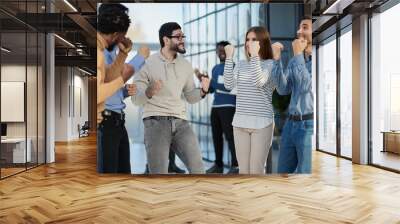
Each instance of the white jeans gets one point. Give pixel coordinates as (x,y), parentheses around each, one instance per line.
(252,148)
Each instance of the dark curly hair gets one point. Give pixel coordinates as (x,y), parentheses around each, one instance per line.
(112,18)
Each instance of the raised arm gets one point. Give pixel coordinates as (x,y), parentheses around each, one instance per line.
(297,69)
(261,75)
(115,69)
(105,90)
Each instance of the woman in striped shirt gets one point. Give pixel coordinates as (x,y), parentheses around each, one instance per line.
(254,117)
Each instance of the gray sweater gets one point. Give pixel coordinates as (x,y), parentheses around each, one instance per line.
(178,87)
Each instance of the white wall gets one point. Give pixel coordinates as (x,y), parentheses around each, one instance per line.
(71,94)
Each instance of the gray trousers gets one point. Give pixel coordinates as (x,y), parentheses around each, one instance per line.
(159,134)
(252,148)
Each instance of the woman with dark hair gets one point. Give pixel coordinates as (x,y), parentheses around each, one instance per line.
(253,122)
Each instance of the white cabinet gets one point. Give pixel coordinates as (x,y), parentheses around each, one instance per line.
(19,155)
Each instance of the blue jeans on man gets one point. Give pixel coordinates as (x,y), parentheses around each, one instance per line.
(295,148)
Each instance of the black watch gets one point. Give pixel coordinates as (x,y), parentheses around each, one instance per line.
(202,90)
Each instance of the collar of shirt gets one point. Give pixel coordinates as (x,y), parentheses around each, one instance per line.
(165,60)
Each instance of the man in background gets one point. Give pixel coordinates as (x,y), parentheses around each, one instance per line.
(222,112)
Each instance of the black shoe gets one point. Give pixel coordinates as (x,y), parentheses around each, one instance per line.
(233,170)
(147,169)
(173,168)
(215,169)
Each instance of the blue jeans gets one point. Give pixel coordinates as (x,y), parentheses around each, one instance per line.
(295,148)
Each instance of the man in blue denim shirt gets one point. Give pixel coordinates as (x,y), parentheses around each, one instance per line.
(114,138)
(296,139)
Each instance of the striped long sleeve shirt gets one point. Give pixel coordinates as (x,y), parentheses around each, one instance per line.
(254,91)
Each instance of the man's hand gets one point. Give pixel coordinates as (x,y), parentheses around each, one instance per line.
(125,45)
(299,45)
(199,75)
(154,88)
(144,51)
(277,50)
(229,51)
(131,88)
(205,84)
(254,48)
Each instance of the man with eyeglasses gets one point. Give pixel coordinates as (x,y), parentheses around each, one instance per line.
(165,82)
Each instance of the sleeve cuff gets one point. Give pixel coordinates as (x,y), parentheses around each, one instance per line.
(254,58)
(298,60)
(229,60)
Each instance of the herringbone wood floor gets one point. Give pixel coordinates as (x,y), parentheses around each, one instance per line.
(70,191)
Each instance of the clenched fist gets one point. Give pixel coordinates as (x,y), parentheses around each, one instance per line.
(299,45)
(131,88)
(154,88)
(125,45)
(276,50)
(205,83)
(144,51)
(229,51)
(254,48)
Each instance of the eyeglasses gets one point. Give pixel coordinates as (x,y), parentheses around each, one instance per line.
(179,37)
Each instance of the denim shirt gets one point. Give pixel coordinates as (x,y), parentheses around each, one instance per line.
(297,80)
(116,102)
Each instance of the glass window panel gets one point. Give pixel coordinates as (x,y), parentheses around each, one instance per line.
(237,50)
(186,12)
(194,11)
(195,36)
(188,40)
(385,89)
(202,9)
(327,97)
(210,7)
(221,5)
(232,25)
(221,26)
(14,154)
(203,63)
(346,94)
(241,52)
(212,61)
(211,32)
(283,27)
(32,104)
(257,14)
(41,99)
(202,36)
(244,21)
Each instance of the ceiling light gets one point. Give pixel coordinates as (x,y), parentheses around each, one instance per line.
(5,50)
(338,6)
(65,41)
(84,71)
(70,5)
